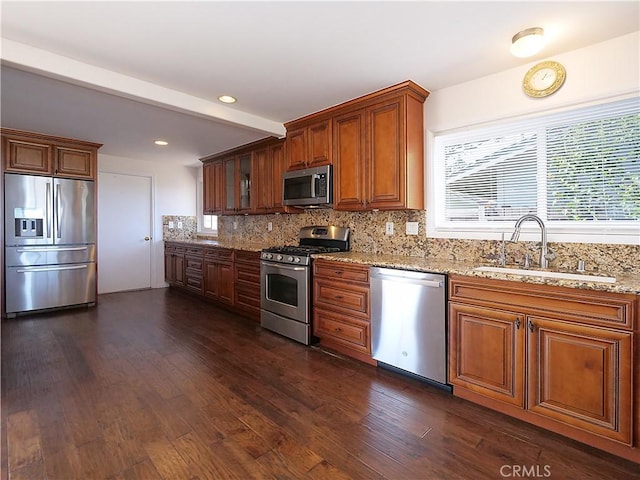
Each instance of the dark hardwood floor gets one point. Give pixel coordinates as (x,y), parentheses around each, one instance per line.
(159,385)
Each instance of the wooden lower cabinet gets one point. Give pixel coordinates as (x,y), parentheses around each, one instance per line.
(174,271)
(218,275)
(246,281)
(341,308)
(488,357)
(557,357)
(229,277)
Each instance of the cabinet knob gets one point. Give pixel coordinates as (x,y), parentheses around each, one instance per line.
(530,326)
(517,323)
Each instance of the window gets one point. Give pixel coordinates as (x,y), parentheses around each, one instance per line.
(207,224)
(577,170)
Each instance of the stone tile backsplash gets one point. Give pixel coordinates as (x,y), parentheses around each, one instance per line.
(368,236)
(187,232)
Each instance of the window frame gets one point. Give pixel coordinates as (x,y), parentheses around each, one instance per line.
(613,232)
(200,214)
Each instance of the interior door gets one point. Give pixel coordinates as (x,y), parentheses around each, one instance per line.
(124,232)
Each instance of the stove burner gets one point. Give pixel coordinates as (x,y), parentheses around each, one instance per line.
(304,251)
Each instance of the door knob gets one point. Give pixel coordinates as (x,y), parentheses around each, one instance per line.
(146,239)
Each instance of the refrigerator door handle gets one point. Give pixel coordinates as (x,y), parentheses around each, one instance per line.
(50,269)
(51,249)
(47,210)
(58,232)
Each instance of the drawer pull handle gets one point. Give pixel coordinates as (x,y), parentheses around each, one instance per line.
(517,324)
(338,272)
(339,297)
(337,329)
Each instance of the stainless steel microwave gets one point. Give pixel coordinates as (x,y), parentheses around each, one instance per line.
(311,187)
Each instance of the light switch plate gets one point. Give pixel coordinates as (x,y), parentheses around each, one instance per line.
(235,225)
(270,226)
(389,228)
(180,225)
(170,224)
(412,228)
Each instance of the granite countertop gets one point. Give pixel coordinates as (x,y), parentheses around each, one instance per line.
(625,283)
(235,245)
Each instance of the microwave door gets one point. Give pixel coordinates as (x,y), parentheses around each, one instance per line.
(28,210)
(74,219)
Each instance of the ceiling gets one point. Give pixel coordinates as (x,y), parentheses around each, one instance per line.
(126,73)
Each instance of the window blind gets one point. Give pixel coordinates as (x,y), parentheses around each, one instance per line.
(579,166)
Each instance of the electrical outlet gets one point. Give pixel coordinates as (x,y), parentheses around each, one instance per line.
(170,224)
(180,225)
(270,226)
(412,228)
(389,228)
(235,225)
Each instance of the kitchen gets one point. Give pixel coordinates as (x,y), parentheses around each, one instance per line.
(445,109)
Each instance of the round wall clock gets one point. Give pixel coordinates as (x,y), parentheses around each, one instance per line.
(543,79)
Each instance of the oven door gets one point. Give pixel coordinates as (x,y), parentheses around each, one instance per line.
(285,290)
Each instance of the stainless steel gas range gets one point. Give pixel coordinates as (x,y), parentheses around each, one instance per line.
(285,280)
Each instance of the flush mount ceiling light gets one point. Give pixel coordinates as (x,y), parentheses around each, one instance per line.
(227,99)
(527,42)
(161,142)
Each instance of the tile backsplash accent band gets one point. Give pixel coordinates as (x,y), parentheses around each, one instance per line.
(368,236)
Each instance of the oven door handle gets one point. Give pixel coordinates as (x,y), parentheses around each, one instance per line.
(282,266)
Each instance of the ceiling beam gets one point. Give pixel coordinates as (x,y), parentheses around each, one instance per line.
(45,63)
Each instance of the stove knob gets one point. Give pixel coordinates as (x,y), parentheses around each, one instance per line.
(290,259)
(297,260)
(270,256)
(279,258)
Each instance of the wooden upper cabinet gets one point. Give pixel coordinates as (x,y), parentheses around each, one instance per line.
(375,144)
(213,188)
(309,145)
(245,180)
(75,162)
(27,152)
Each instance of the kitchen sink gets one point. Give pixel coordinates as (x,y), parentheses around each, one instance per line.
(548,274)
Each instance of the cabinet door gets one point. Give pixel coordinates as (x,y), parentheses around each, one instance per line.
(229,186)
(169,268)
(211,282)
(244,184)
(278,167)
(349,161)
(262,181)
(386,169)
(225,283)
(75,162)
(296,149)
(178,270)
(319,140)
(581,376)
(213,188)
(486,349)
(27,156)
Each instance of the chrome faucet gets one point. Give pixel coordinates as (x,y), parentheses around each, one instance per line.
(544,251)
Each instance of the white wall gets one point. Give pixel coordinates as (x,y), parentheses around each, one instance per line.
(594,73)
(174,193)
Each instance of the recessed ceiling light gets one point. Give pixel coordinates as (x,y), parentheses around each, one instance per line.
(227,99)
(161,142)
(527,42)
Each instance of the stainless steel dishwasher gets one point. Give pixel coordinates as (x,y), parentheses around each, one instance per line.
(408,322)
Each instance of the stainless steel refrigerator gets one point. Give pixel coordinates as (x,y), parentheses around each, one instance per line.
(50,237)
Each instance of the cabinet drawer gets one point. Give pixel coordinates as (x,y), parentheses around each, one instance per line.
(571,304)
(341,271)
(348,298)
(349,332)
(218,254)
(173,248)
(247,275)
(195,251)
(194,263)
(252,258)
